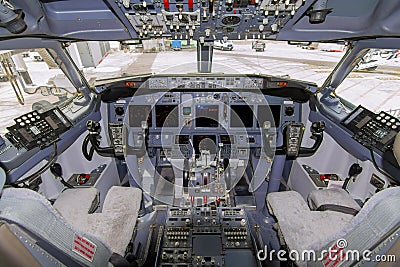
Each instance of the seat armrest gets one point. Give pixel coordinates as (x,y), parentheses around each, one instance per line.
(331,196)
(337,208)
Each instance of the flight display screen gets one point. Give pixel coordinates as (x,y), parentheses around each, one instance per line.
(264,114)
(182,139)
(139,113)
(227,139)
(207,116)
(167,116)
(242,116)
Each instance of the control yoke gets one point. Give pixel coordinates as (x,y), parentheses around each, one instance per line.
(93,137)
(94,129)
(293,133)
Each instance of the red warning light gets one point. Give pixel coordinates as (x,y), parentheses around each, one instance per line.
(129,84)
(282,84)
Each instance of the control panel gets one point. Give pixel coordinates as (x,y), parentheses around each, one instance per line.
(374,131)
(86,179)
(205,82)
(294,136)
(320,179)
(36,129)
(208,19)
(205,236)
(182,123)
(202,130)
(115,131)
(208,110)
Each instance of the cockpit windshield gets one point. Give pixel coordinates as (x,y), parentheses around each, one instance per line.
(306,61)
(30,80)
(374,82)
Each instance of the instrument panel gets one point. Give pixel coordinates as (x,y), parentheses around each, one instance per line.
(206,236)
(372,130)
(182,114)
(206,82)
(208,19)
(36,129)
(192,120)
(210,111)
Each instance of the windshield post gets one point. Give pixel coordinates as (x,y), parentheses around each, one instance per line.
(354,53)
(328,82)
(204,56)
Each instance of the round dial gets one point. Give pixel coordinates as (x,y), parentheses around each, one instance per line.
(230,20)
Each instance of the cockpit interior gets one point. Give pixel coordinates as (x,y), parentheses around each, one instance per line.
(199,133)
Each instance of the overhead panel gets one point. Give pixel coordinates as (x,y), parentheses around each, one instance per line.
(209,19)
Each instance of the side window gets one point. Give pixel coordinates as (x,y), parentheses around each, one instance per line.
(29,80)
(374,82)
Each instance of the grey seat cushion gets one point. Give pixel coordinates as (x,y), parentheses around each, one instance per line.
(77,202)
(300,227)
(116,223)
(336,196)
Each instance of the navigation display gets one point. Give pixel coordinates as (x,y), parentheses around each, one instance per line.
(182,139)
(227,139)
(167,116)
(242,116)
(139,113)
(264,114)
(206,116)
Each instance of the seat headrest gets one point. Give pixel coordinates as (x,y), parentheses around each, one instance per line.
(396,148)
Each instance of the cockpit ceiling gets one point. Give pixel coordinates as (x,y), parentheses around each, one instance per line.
(302,20)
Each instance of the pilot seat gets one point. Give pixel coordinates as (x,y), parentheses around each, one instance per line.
(332,215)
(70,232)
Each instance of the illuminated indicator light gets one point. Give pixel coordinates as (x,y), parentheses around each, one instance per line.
(282,84)
(234,11)
(166,4)
(325,177)
(129,84)
(190,4)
